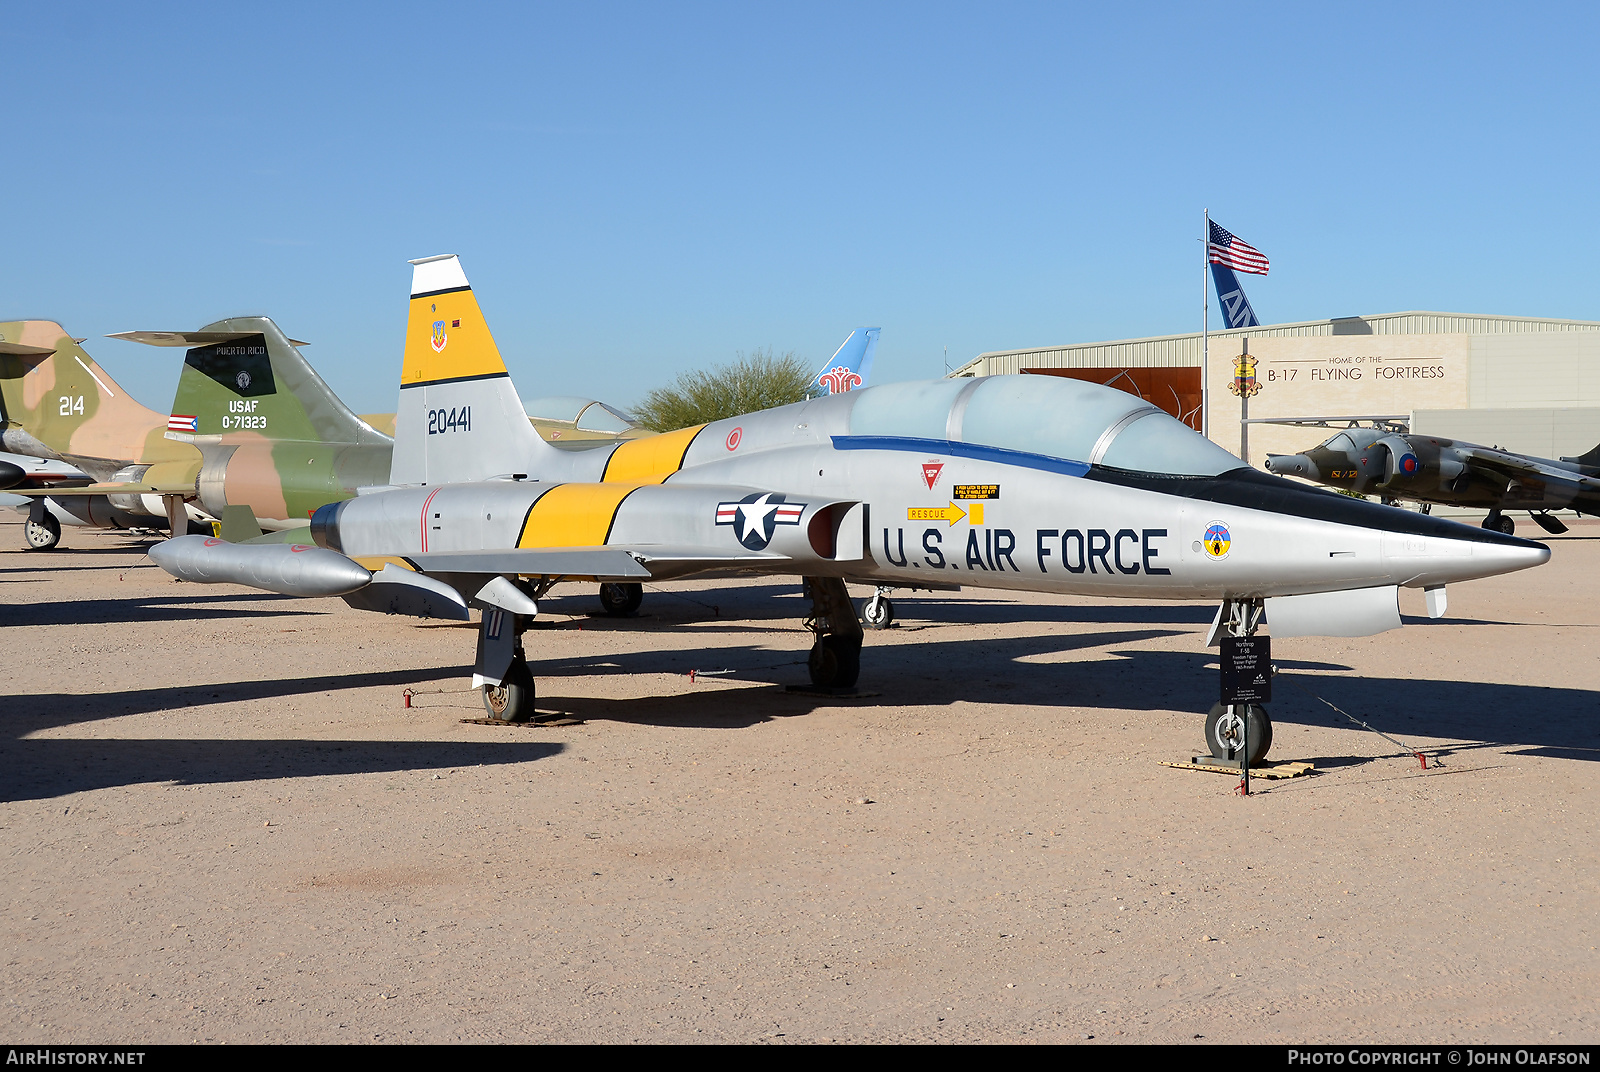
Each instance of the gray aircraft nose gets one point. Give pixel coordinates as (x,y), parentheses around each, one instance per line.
(1291,465)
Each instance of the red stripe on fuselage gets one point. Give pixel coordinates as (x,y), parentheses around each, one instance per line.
(425,504)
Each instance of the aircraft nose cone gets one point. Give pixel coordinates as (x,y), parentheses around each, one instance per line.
(1290,465)
(11,475)
(1508,557)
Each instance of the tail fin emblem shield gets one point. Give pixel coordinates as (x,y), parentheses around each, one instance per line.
(439,337)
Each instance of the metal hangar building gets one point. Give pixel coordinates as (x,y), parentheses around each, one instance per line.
(1527,384)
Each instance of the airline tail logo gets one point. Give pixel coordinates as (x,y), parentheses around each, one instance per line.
(838,380)
(439,337)
(180,423)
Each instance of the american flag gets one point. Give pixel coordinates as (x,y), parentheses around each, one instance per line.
(1236,253)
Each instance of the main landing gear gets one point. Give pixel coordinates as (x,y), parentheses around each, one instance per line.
(835,661)
(1499,522)
(42,531)
(620,600)
(1233,730)
(501,670)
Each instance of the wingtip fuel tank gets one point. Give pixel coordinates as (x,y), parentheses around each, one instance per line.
(288,569)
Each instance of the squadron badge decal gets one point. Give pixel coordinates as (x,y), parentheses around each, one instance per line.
(1217,540)
(439,337)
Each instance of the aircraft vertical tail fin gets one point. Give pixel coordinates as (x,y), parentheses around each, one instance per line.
(459,416)
(245,375)
(1236,310)
(851,364)
(57,401)
(1589,460)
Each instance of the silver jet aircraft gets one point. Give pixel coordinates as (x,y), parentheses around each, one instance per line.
(1013,482)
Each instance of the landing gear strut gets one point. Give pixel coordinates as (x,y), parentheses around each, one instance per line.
(501,670)
(1234,731)
(835,661)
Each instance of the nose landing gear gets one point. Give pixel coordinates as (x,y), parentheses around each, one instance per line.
(1238,730)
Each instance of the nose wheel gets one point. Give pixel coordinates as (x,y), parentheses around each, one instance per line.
(878,612)
(1225,732)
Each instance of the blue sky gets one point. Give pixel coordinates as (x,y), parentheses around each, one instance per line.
(639,189)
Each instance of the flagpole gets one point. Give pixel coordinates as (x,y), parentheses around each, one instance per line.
(1205,330)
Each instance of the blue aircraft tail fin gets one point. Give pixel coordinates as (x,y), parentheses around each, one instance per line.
(1236,311)
(850,365)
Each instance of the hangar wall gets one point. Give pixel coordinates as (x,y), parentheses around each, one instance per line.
(1528,384)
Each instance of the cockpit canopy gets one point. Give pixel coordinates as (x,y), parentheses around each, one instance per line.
(1352,440)
(585,414)
(1049,415)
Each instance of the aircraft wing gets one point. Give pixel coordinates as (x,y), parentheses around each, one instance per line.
(603,563)
(111,488)
(1520,467)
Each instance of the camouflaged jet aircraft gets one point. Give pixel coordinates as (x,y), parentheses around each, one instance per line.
(252,424)
(1450,472)
(1013,482)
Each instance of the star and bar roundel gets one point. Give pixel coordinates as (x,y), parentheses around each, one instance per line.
(756,517)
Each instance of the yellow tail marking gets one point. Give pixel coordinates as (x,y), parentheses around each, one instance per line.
(574,515)
(652,459)
(446,339)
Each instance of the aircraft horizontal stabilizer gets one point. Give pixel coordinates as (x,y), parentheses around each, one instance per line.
(20,349)
(188,338)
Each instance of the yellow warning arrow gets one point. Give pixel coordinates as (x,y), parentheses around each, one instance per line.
(950,514)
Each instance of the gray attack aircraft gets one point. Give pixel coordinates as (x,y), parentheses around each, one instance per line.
(1010,482)
(1449,472)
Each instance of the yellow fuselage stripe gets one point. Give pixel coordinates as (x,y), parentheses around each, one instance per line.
(650,460)
(574,515)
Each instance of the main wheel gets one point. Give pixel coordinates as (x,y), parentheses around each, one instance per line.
(1225,733)
(877,613)
(835,662)
(513,701)
(1506,525)
(44,534)
(621,600)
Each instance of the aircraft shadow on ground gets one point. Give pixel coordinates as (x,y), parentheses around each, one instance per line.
(52,768)
(142,609)
(40,768)
(1001,671)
